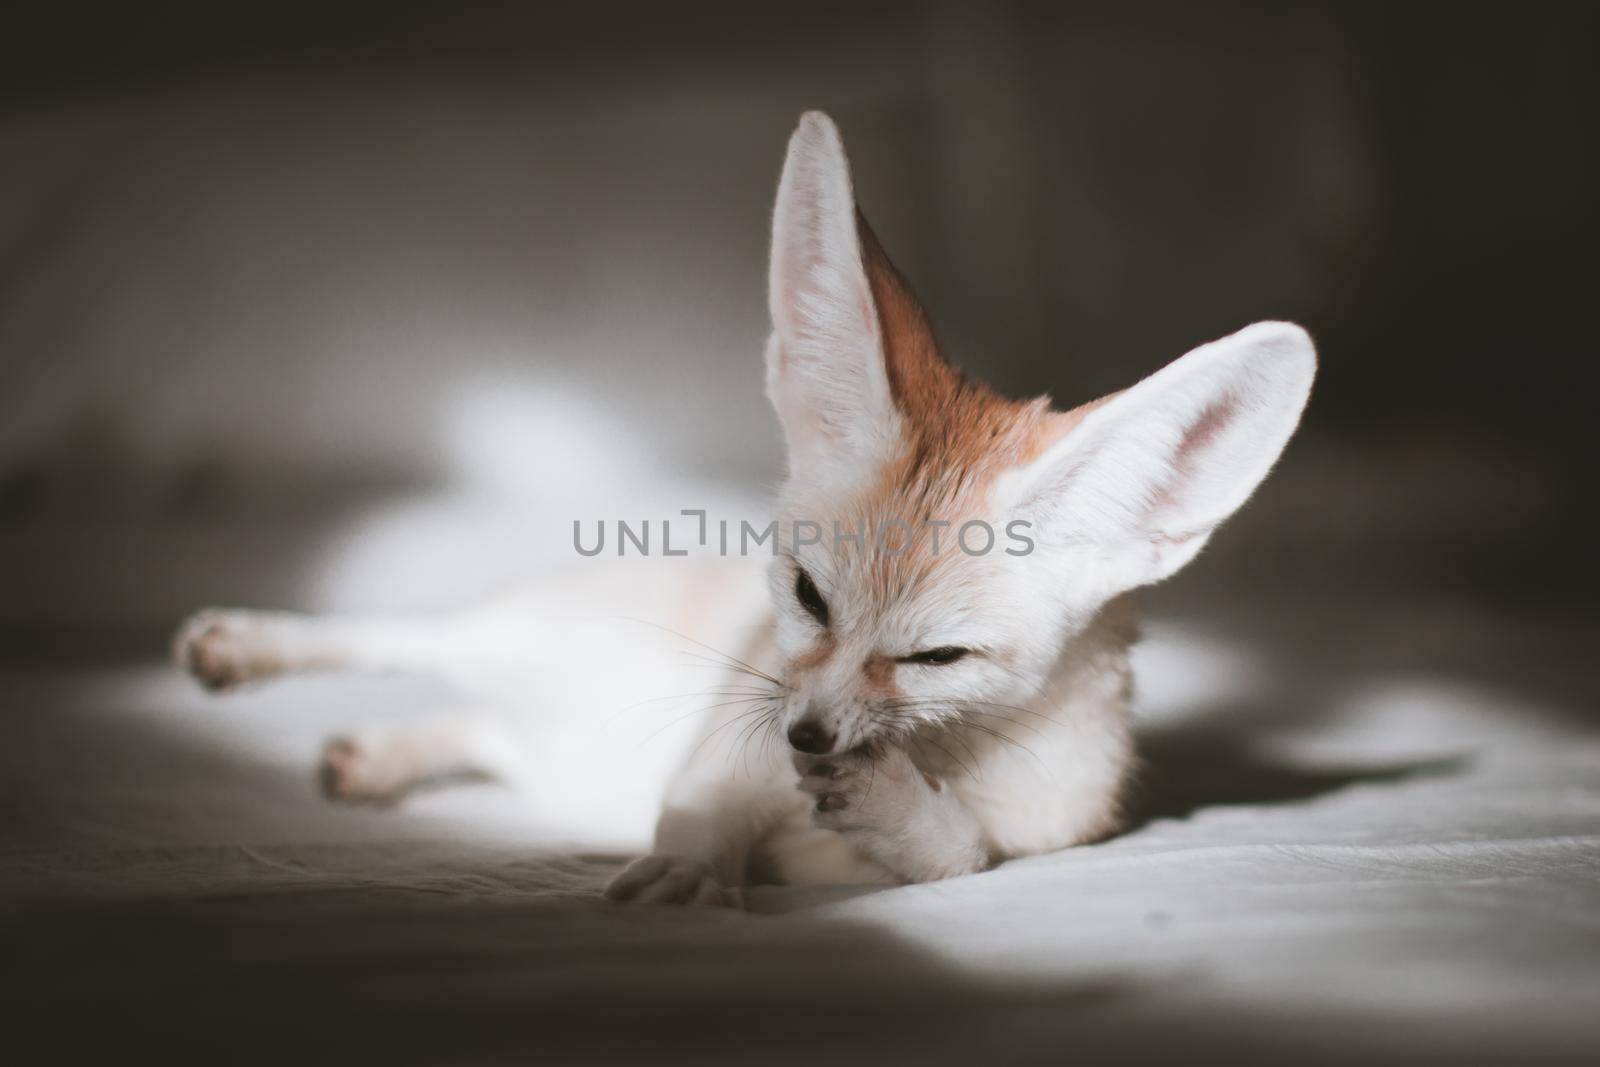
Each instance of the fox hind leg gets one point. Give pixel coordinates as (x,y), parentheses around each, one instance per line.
(225,648)
(381,765)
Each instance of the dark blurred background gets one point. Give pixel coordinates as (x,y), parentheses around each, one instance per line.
(268,269)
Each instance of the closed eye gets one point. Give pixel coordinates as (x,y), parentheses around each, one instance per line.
(937,657)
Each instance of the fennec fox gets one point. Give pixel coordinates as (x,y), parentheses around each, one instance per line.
(944,637)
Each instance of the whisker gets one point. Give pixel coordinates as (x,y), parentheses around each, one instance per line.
(722,691)
(1003,718)
(771,735)
(959,703)
(962,741)
(1014,707)
(956,711)
(701,711)
(1010,741)
(765,750)
(904,711)
(708,662)
(953,758)
(740,747)
(719,728)
(901,722)
(701,644)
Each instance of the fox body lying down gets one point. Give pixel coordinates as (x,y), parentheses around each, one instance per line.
(895,706)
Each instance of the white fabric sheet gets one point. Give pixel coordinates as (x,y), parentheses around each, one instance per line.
(1376,840)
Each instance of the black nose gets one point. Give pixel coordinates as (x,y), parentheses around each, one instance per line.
(808,736)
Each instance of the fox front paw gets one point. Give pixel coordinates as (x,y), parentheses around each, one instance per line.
(223,649)
(861,791)
(661,879)
(875,799)
(891,811)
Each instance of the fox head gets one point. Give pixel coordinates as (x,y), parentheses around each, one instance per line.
(941,546)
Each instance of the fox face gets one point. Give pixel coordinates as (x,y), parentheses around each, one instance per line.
(942,545)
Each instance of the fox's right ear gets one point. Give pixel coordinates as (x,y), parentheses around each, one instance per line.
(825,360)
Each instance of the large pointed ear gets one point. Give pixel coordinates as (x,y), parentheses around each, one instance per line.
(1142,478)
(825,360)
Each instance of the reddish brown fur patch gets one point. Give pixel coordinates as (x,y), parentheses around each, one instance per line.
(816,655)
(950,415)
(879,674)
(959,434)
(960,431)
(958,437)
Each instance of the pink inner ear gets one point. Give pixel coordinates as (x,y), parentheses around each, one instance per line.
(1200,435)
(1205,428)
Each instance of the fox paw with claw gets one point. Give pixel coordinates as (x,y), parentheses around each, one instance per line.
(892,811)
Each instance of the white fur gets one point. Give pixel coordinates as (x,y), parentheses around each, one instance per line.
(825,372)
(1136,489)
(1021,747)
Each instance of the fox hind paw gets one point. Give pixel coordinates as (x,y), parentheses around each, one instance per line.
(358,771)
(224,649)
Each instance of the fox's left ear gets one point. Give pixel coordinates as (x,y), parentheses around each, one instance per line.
(1144,476)
(825,360)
